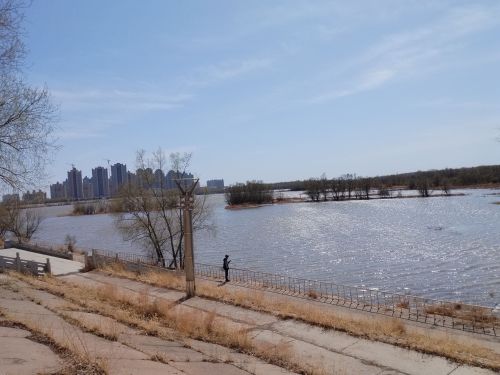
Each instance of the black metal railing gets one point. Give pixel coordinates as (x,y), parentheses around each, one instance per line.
(467,317)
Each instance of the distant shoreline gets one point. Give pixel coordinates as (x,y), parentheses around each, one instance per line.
(244,206)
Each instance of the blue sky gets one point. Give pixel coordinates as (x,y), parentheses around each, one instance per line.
(271,90)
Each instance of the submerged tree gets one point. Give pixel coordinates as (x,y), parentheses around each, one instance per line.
(152,216)
(26,113)
(313,187)
(253,192)
(423,188)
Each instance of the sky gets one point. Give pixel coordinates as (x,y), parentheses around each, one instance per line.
(271,90)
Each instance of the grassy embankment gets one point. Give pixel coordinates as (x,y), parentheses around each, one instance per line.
(158,318)
(387,330)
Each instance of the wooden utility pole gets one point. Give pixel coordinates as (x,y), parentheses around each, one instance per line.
(187,204)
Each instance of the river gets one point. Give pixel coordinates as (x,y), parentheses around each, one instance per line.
(440,247)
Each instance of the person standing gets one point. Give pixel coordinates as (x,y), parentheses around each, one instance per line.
(225,266)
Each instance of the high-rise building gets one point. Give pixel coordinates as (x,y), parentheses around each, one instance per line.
(74,184)
(57,191)
(100,182)
(132,178)
(119,177)
(215,184)
(185,178)
(35,196)
(88,188)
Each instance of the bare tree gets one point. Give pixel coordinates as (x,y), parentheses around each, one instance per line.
(22,223)
(366,184)
(152,215)
(350,183)
(313,189)
(26,113)
(445,187)
(423,187)
(384,192)
(338,187)
(324,187)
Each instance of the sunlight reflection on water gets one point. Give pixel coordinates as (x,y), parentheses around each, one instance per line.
(438,247)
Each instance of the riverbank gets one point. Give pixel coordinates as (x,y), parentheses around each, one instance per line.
(163,327)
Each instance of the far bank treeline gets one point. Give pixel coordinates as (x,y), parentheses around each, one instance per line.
(454,178)
(350,186)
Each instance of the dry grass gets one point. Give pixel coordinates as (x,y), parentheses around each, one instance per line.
(403,304)
(474,314)
(161,279)
(144,313)
(158,319)
(311,293)
(108,330)
(77,362)
(389,330)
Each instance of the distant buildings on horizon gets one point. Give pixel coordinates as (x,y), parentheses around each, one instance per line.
(100,185)
(28,197)
(215,184)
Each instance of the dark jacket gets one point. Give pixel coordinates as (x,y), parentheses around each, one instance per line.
(226,264)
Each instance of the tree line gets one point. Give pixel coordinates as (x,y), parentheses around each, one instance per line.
(350,186)
(434,179)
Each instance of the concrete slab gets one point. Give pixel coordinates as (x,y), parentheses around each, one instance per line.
(467,370)
(233,312)
(311,344)
(19,356)
(59,266)
(243,361)
(13,332)
(437,332)
(204,368)
(407,361)
(49,300)
(329,339)
(140,367)
(314,356)
(64,333)
(111,356)
(10,294)
(168,350)
(200,315)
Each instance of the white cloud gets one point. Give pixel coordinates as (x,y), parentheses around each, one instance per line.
(412,53)
(224,71)
(369,81)
(115,99)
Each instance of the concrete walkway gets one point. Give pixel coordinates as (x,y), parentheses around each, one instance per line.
(335,351)
(132,352)
(59,266)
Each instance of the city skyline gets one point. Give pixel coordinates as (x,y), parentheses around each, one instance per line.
(101,185)
(272,91)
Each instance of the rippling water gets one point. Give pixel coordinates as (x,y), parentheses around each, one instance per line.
(445,247)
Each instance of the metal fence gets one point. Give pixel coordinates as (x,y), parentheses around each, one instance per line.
(472,318)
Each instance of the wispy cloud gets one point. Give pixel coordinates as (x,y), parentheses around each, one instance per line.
(368,81)
(115,99)
(410,53)
(227,70)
